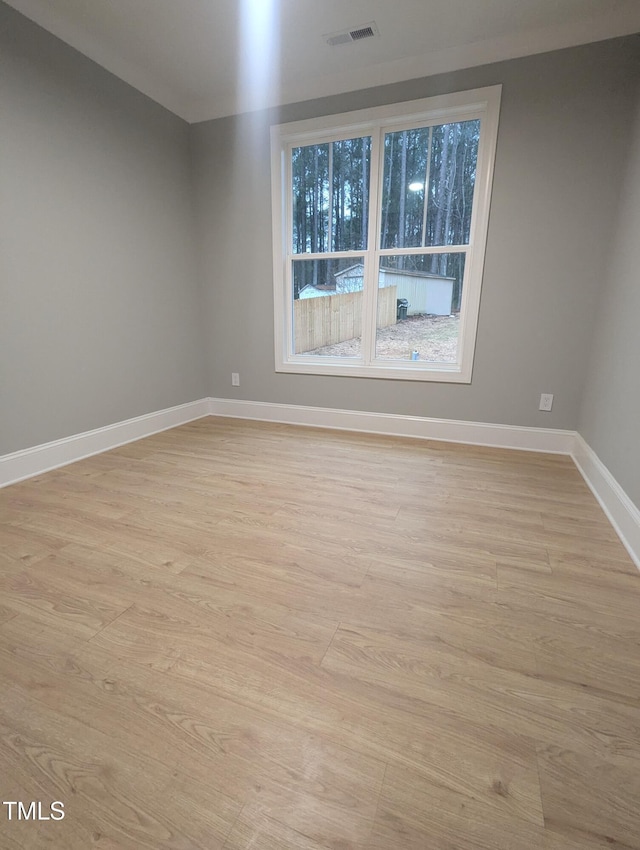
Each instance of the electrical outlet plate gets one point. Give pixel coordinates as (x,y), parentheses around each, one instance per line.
(546,401)
(235,379)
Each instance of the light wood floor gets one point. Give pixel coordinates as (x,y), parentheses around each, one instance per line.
(237,635)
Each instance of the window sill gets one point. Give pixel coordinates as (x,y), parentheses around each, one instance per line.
(409,371)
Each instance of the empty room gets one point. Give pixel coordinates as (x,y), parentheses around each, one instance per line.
(319,419)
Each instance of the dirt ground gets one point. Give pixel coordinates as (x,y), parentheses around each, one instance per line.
(435,338)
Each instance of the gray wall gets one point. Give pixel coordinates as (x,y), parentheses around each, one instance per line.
(99,312)
(610,420)
(564,132)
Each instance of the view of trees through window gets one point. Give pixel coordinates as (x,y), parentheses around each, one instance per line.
(380,221)
(330,202)
(425,195)
(426,200)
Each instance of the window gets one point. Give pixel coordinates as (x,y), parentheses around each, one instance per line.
(379,223)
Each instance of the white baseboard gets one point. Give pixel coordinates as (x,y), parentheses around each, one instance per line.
(23,464)
(38,459)
(623,515)
(449,430)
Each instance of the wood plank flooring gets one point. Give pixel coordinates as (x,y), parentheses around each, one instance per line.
(236,635)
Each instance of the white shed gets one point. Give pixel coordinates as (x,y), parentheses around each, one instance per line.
(426,293)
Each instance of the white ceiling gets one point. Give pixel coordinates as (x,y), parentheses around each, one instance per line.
(207,58)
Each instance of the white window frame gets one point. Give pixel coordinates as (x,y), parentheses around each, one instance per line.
(461,106)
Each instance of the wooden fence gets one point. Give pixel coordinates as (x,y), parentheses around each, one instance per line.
(329,319)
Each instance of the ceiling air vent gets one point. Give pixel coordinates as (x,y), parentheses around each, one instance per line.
(347,36)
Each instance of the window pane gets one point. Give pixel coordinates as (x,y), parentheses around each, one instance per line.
(419,307)
(331,196)
(327,306)
(443,159)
